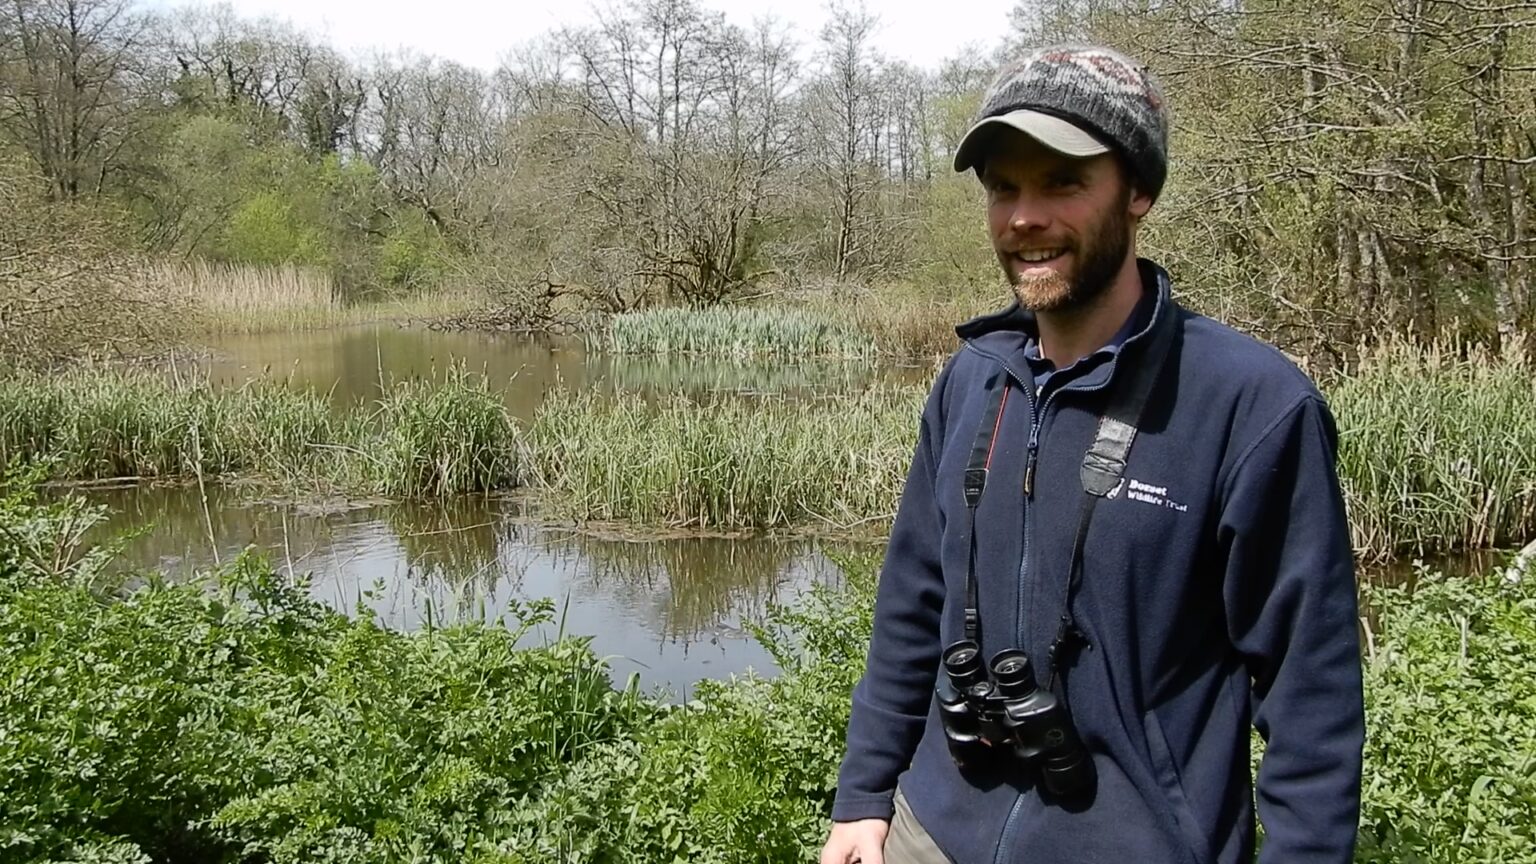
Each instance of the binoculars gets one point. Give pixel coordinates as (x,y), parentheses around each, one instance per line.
(1001,714)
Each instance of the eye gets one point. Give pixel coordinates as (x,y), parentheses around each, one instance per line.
(1065,180)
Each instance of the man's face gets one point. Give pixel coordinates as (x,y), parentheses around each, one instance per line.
(1061,227)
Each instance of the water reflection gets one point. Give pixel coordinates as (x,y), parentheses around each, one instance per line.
(695,584)
(672,610)
(457,541)
(349,365)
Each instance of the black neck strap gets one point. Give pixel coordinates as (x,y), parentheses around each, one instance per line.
(1102,472)
(1103,469)
(975,482)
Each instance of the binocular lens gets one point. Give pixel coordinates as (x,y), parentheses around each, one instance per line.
(1070,777)
(963,658)
(1012,670)
(962,661)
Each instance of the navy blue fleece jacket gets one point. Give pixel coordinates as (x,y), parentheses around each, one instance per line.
(1218,594)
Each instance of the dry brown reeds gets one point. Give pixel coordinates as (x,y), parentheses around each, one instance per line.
(247,298)
(244,297)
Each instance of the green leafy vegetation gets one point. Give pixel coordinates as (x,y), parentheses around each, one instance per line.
(250,723)
(236,720)
(1451,721)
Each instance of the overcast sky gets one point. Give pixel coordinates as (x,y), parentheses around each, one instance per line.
(478,32)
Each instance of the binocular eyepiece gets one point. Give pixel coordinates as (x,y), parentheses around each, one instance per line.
(997,713)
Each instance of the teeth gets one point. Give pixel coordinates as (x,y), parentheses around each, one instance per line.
(1039,255)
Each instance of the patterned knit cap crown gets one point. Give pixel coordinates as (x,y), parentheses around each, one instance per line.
(1097,89)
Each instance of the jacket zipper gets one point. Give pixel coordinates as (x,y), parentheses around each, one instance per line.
(1010,827)
(1037,417)
(1036,412)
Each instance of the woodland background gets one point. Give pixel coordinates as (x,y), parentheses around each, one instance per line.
(1341,171)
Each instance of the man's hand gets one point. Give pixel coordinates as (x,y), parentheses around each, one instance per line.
(862,841)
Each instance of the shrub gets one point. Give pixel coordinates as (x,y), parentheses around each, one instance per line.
(70,286)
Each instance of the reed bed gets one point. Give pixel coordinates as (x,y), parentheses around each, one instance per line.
(97,424)
(835,324)
(772,463)
(438,438)
(231,293)
(1437,450)
(737,332)
(908,325)
(242,298)
(452,436)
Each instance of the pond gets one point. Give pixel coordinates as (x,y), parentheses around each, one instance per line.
(349,364)
(671,609)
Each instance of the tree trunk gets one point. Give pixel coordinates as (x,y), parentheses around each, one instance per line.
(1519,231)
(1495,263)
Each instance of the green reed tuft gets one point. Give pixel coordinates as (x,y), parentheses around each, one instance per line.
(1437,450)
(420,439)
(737,331)
(771,463)
(443,437)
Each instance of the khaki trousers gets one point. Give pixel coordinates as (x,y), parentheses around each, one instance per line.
(907,842)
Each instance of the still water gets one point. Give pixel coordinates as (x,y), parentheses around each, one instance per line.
(671,610)
(349,364)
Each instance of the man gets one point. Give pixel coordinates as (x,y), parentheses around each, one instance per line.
(1212,587)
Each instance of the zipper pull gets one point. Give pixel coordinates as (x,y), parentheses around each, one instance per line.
(1029,460)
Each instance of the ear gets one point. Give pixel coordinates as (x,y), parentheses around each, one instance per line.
(1139,204)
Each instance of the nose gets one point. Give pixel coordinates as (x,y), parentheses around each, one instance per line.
(1027,214)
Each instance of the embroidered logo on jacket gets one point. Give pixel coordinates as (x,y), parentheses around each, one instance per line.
(1146,493)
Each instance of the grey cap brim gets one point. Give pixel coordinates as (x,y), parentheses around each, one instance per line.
(1050,130)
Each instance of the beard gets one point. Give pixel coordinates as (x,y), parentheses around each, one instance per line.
(1099,257)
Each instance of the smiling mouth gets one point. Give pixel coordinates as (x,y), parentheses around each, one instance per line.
(1036,257)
